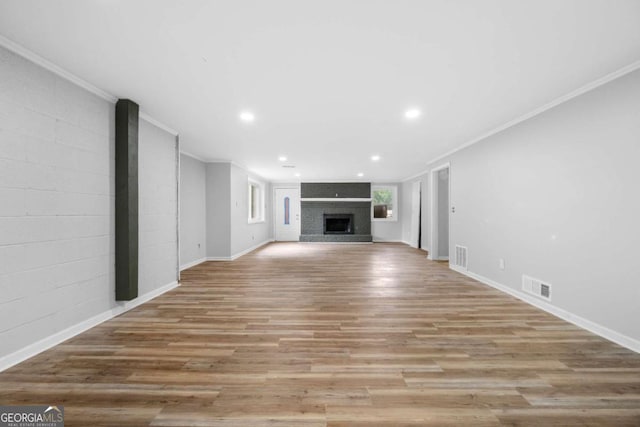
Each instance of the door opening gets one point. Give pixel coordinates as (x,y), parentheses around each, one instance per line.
(287,214)
(416,221)
(440,203)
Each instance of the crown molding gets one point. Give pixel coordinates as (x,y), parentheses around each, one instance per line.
(61,72)
(147,118)
(193,156)
(45,63)
(561,100)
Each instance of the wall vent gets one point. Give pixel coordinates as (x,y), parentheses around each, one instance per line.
(536,287)
(460,260)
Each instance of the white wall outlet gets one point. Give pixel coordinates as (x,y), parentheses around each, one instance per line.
(501,263)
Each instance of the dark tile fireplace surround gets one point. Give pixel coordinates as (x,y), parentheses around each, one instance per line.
(335,212)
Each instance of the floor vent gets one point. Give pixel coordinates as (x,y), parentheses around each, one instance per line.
(460,260)
(536,287)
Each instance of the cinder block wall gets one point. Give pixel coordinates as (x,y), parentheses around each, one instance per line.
(57,204)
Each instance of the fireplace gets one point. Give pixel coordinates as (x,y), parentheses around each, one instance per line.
(338,224)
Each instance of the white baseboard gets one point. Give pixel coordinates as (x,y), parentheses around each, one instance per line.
(46,343)
(192,263)
(603,331)
(239,254)
(409,244)
(251,249)
(388,241)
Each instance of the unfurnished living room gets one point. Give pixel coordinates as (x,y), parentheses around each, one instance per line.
(312,213)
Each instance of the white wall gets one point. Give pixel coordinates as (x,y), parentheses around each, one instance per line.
(157,189)
(406,189)
(556,198)
(57,202)
(218,201)
(193,206)
(443,214)
(391,231)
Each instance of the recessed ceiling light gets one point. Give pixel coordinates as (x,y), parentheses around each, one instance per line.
(298,175)
(247,116)
(375,158)
(360,174)
(413,113)
(282,158)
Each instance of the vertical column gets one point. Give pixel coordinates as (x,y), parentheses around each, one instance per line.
(126,200)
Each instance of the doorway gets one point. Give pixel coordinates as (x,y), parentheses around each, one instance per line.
(416,214)
(440,203)
(287,214)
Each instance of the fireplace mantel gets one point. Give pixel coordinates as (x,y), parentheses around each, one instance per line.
(335,199)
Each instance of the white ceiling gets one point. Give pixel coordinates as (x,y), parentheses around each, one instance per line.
(329,80)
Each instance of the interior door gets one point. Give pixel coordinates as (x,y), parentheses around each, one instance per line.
(287,214)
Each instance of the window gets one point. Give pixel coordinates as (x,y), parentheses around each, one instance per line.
(384,203)
(256,202)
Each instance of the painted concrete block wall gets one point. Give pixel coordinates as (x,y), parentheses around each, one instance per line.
(157,182)
(193,206)
(556,198)
(244,235)
(218,212)
(56,204)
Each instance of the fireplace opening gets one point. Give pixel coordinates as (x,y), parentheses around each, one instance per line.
(338,223)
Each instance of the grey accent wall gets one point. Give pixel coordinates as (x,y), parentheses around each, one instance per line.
(555,197)
(312,212)
(245,236)
(218,202)
(227,211)
(193,210)
(313,215)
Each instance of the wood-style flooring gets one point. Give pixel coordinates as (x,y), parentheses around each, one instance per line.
(315,335)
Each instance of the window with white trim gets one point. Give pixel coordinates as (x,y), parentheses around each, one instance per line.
(256,201)
(384,203)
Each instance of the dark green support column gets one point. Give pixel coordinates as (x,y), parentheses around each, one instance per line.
(126,200)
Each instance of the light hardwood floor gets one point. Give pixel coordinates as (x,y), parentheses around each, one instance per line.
(333,335)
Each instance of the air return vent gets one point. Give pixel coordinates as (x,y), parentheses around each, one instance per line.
(536,287)
(460,260)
